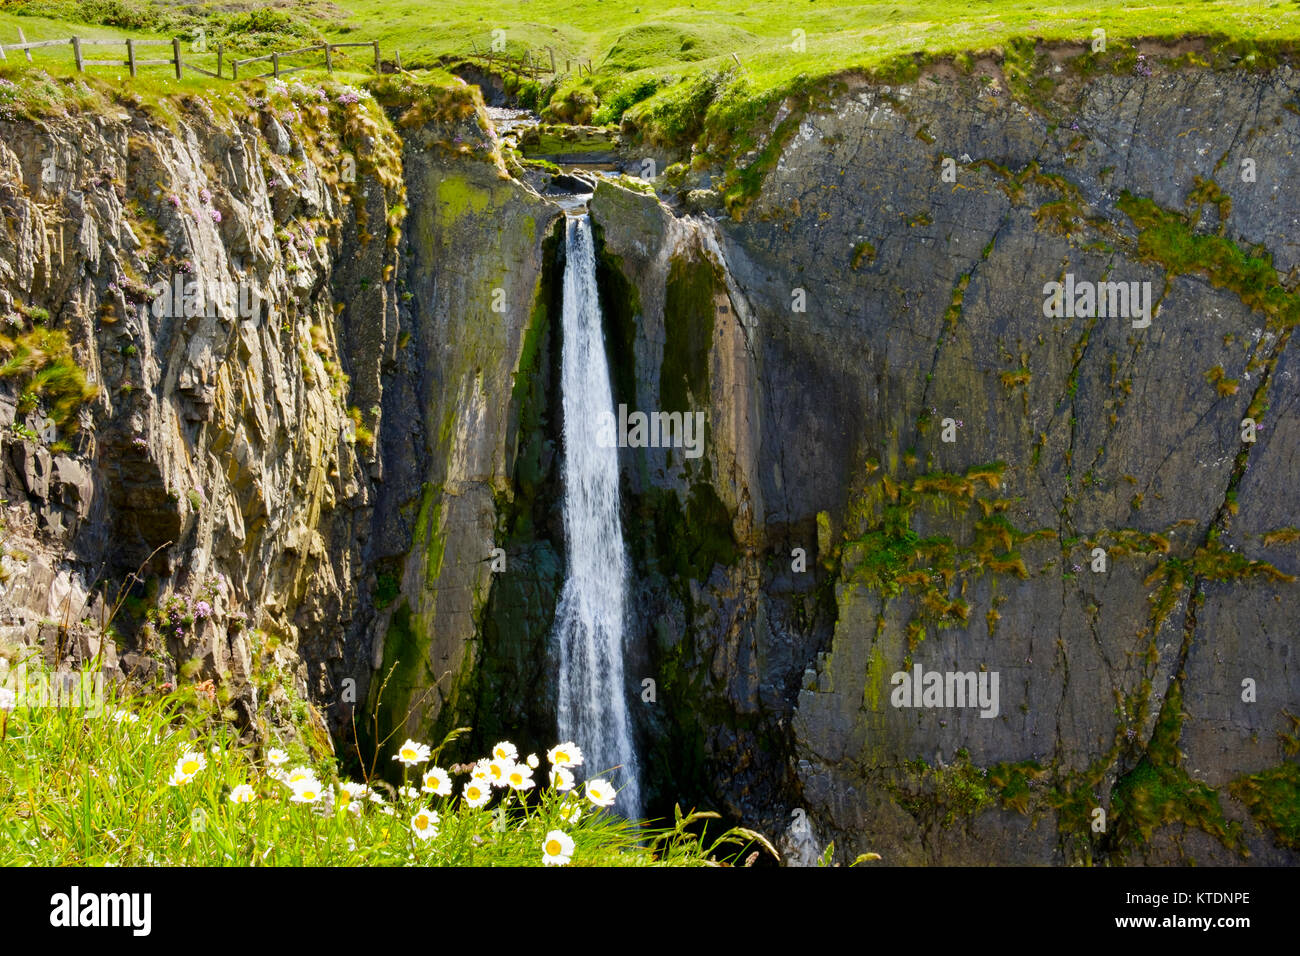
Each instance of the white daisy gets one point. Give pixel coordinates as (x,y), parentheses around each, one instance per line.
(520,777)
(562,779)
(498,771)
(557,848)
(481,771)
(437,781)
(188,767)
(178,779)
(277,757)
(505,750)
(307,791)
(352,797)
(242,794)
(533,761)
(565,755)
(476,793)
(299,774)
(411,753)
(600,793)
(425,824)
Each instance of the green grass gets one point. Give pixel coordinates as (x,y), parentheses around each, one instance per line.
(634,45)
(91,787)
(41,363)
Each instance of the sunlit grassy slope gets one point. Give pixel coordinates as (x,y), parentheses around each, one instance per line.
(622,35)
(774,39)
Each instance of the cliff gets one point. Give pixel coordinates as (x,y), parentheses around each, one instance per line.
(350,496)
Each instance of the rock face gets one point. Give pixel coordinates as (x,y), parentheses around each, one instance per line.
(905,454)
(472,278)
(214,499)
(868,301)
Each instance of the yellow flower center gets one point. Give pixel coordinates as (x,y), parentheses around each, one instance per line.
(553,848)
(190,766)
(561,757)
(422,822)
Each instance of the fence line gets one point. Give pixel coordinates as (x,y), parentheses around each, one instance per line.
(528,63)
(179,63)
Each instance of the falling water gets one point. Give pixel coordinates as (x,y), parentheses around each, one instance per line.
(589,621)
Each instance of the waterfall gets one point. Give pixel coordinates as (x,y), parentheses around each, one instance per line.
(589,620)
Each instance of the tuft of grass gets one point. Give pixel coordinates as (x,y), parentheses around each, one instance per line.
(41,364)
(1273,798)
(1169,240)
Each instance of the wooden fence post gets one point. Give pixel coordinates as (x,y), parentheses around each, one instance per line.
(378,69)
(551,51)
(130,55)
(219,51)
(22,38)
(176,55)
(275,65)
(397,57)
(329,62)
(76,54)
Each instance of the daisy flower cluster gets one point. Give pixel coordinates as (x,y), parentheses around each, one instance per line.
(506,772)
(427,802)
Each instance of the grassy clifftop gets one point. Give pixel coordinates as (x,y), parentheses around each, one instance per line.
(710,73)
(637,49)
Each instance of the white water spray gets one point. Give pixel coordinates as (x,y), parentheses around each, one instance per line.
(589,620)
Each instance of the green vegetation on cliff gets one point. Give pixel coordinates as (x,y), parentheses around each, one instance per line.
(1168,238)
(42,364)
(162,780)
